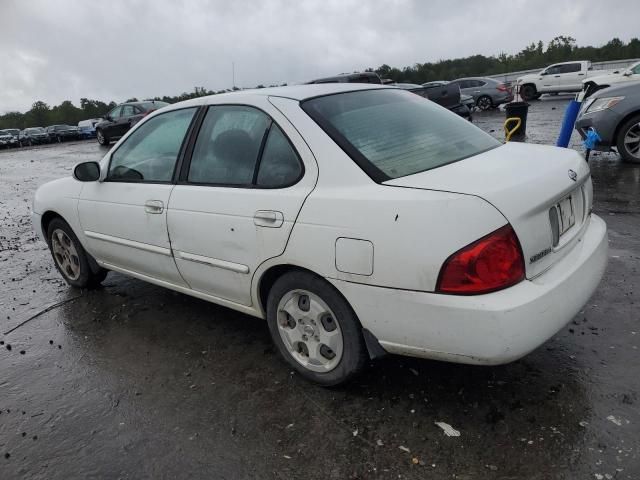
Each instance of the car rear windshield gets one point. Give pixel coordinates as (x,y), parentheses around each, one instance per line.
(392,133)
(153,105)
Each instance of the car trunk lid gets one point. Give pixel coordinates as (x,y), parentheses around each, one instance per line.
(526,183)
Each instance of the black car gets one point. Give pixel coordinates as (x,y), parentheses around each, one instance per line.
(364,77)
(446,95)
(59,133)
(119,120)
(33,136)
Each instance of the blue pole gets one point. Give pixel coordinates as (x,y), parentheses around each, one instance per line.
(569,120)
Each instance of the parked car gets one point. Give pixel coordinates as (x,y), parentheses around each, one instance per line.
(466,100)
(486,92)
(356,219)
(8,139)
(614,113)
(556,78)
(119,120)
(598,82)
(364,77)
(33,136)
(86,129)
(447,96)
(60,133)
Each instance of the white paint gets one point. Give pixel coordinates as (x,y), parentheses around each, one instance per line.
(207,243)
(448,430)
(614,420)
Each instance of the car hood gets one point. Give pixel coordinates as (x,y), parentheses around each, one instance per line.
(523,181)
(528,77)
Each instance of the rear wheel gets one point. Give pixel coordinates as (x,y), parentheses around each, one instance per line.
(628,140)
(484,102)
(528,92)
(70,258)
(315,329)
(102,137)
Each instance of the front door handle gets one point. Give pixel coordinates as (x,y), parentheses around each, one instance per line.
(268,218)
(153,206)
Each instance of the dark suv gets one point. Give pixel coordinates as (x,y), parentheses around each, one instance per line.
(119,120)
(59,133)
(32,136)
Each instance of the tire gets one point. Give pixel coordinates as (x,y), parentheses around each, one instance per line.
(102,138)
(484,102)
(300,335)
(70,258)
(528,92)
(628,140)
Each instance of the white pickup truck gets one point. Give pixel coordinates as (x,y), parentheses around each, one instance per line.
(621,75)
(556,78)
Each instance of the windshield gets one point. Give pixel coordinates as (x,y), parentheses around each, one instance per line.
(393,133)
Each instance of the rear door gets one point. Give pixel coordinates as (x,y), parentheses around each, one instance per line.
(238,197)
(571,76)
(124,217)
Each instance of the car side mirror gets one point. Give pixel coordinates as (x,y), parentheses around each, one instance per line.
(87,172)
(627,73)
(543,72)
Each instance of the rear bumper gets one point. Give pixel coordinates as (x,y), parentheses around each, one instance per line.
(490,329)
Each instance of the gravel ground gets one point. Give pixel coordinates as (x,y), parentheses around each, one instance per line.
(134,381)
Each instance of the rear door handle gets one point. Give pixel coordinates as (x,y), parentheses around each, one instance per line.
(268,218)
(153,206)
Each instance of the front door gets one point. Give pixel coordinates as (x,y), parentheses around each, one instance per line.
(238,198)
(124,217)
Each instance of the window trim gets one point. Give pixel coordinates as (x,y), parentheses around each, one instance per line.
(185,140)
(183,177)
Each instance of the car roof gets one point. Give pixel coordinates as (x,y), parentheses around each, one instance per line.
(293,92)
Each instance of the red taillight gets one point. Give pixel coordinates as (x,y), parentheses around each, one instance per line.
(492,263)
(502,87)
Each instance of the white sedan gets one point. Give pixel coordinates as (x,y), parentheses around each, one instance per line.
(355,219)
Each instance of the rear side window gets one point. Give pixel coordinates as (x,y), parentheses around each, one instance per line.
(228,145)
(150,153)
(570,68)
(128,110)
(279,165)
(393,133)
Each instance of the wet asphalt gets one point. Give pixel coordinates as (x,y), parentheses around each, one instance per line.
(134,381)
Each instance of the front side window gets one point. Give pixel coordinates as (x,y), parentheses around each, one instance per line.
(228,145)
(553,70)
(115,113)
(636,70)
(150,153)
(391,133)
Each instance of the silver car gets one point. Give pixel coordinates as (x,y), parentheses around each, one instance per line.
(487,92)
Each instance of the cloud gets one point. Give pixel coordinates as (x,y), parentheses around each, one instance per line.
(53,50)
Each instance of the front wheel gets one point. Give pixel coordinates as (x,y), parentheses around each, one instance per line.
(528,92)
(628,140)
(102,138)
(314,329)
(70,258)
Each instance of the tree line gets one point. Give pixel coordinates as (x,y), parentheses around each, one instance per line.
(535,55)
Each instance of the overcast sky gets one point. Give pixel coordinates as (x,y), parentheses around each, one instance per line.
(54,50)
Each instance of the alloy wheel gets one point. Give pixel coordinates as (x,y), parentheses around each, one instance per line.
(310,331)
(632,140)
(484,103)
(65,254)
